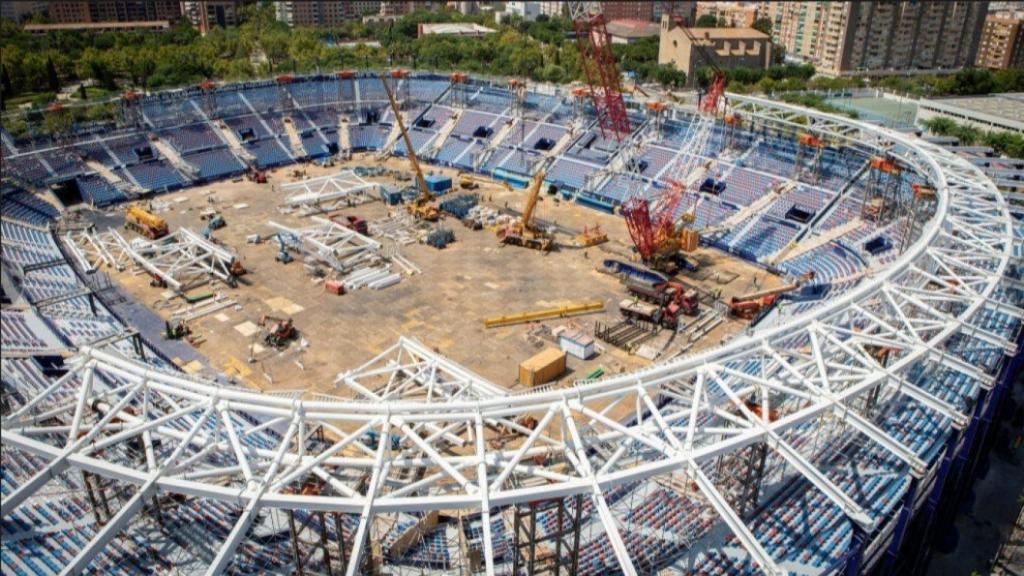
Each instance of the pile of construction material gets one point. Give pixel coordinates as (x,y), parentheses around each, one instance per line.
(373,277)
(440,237)
(488,217)
(190,312)
(459,206)
(400,228)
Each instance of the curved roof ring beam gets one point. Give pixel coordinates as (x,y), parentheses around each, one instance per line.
(966,246)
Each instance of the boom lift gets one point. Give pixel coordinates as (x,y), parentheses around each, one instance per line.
(523,232)
(750,305)
(420,207)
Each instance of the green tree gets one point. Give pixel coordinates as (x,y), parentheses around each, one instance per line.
(669,76)
(707,21)
(53,82)
(973,81)
(763,25)
(5,81)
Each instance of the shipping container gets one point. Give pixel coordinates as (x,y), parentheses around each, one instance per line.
(542,368)
(438,184)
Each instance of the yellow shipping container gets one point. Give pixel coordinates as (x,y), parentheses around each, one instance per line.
(542,368)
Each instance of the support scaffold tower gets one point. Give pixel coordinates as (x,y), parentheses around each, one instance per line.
(547,537)
(457,90)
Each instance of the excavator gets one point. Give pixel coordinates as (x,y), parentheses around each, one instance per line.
(750,305)
(420,208)
(522,232)
(279,331)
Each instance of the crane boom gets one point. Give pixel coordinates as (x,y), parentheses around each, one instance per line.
(531,201)
(421,182)
(599,68)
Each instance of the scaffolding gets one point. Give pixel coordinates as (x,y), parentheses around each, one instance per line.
(131,109)
(882,198)
(209,98)
(457,90)
(540,549)
(285,103)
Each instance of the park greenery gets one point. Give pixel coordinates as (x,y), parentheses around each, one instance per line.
(94,67)
(1003,142)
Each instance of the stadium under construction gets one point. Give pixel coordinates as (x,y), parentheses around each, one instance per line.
(179,401)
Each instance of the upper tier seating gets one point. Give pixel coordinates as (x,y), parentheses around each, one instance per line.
(192,137)
(217,163)
(96,190)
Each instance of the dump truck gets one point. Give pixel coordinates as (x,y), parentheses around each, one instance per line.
(666,316)
(144,222)
(666,293)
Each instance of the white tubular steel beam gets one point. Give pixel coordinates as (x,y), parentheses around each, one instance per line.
(120,520)
(611,527)
(757,552)
(688,411)
(227,550)
(131,508)
(853,510)
(485,502)
(355,560)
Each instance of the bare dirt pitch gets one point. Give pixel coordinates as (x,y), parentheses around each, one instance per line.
(443,307)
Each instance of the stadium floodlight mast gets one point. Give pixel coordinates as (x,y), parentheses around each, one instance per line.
(431,417)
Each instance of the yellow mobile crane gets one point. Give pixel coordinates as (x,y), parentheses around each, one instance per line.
(522,232)
(420,207)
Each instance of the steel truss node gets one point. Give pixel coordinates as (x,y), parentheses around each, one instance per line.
(328,242)
(345,184)
(181,259)
(426,434)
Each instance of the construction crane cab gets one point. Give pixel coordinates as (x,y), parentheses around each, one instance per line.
(523,232)
(421,208)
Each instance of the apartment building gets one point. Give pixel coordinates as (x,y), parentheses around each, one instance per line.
(875,38)
(325,12)
(206,14)
(734,14)
(94,11)
(1002,42)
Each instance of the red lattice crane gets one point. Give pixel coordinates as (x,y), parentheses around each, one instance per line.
(652,225)
(600,69)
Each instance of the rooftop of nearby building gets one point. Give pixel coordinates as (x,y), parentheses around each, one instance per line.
(728,33)
(156,24)
(1007,105)
(632,28)
(455,28)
